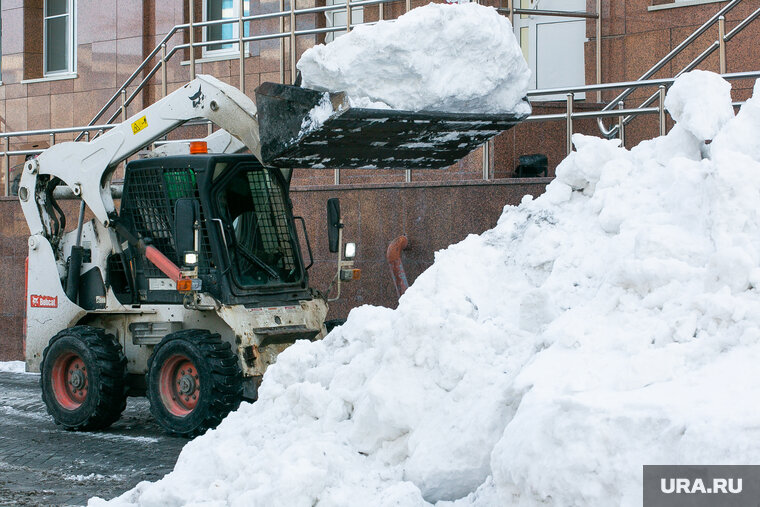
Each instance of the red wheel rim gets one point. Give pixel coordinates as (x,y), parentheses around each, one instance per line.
(179,385)
(70,381)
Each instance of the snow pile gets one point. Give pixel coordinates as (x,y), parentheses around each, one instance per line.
(12,366)
(458,58)
(610,323)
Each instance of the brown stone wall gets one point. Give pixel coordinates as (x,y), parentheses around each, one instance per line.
(431,215)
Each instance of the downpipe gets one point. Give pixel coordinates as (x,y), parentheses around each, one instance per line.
(393,256)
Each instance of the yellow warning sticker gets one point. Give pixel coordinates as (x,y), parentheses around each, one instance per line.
(140,124)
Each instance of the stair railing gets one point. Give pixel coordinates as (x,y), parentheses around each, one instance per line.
(719,44)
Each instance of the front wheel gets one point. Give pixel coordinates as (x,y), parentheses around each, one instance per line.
(83,378)
(194,381)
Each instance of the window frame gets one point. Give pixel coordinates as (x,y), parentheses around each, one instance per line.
(330,18)
(221,211)
(70,39)
(233,49)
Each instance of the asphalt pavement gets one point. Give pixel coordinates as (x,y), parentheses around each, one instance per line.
(42,464)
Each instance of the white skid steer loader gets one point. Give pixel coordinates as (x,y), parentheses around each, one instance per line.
(197,283)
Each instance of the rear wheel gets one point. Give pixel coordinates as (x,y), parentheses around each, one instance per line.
(83,378)
(194,381)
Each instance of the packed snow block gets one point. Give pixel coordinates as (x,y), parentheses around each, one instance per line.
(451,58)
(311,129)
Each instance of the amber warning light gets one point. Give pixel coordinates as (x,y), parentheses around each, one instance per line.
(347,275)
(198,147)
(189,285)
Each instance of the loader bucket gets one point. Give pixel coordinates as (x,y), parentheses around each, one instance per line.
(350,137)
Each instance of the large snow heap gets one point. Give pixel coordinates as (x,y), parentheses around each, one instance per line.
(612,322)
(455,58)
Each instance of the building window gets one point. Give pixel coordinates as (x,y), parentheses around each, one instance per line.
(224,9)
(58,36)
(338,18)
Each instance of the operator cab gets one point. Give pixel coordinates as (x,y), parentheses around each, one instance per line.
(248,250)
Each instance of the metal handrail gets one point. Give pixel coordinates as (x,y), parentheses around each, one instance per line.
(632,84)
(555,14)
(62,130)
(569,115)
(702,57)
(719,17)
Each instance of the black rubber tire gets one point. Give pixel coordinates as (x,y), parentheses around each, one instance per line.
(219,376)
(106,368)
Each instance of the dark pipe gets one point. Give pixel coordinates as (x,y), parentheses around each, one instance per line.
(393,255)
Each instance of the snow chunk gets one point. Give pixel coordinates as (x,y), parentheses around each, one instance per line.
(700,101)
(458,58)
(12,366)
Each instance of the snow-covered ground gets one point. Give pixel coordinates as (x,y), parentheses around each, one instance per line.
(612,322)
(12,366)
(456,58)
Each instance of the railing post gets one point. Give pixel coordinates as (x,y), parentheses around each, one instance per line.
(621,124)
(348,16)
(599,48)
(722,43)
(569,124)
(282,43)
(408,5)
(163,69)
(380,11)
(662,109)
(123,104)
(241,31)
(192,40)
(7,167)
(292,41)
(336,176)
(511,10)
(52,138)
(486,160)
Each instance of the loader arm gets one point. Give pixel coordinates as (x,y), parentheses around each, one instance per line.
(87,167)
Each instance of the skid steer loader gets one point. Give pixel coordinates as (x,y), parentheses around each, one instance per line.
(198,282)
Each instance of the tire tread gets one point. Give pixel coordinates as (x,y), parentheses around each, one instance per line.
(112,388)
(226,377)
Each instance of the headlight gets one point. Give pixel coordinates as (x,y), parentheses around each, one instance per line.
(350,250)
(191,258)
